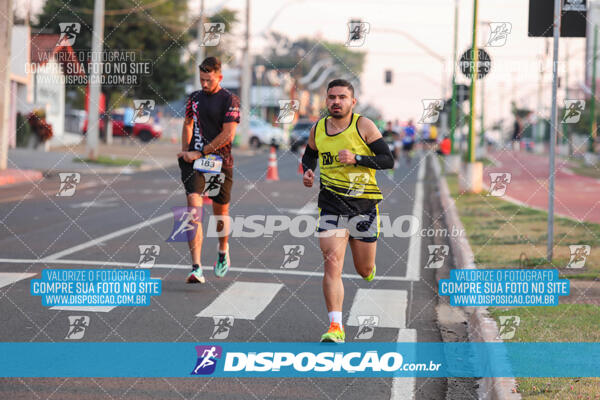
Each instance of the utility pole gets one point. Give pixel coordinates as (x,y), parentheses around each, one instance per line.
(95,76)
(474,72)
(566,136)
(481,114)
(538,126)
(553,131)
(5,40)
(453,105)
(200,40)
(593,99)
(246,83)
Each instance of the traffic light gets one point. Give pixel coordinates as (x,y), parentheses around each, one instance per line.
(388,76)
(462,93)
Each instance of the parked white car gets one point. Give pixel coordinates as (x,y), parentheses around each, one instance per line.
(262,133)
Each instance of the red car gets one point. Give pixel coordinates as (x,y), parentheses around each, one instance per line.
(145,131)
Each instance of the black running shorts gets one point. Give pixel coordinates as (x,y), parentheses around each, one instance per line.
(195,182)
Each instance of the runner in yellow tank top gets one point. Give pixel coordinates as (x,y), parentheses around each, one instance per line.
(349,148)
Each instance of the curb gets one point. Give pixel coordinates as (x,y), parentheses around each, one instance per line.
(124,170)
(10,177)
(14,176)
(481,327)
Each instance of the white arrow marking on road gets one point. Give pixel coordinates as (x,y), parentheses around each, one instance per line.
(8,278)
(102,203)
(242,300)
(307,209)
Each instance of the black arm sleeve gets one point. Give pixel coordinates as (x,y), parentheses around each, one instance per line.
(309,159)
(382,159)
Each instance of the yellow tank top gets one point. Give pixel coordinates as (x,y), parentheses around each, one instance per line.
(433,132)
(350,180)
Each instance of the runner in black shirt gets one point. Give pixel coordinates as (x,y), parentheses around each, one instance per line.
(211,117)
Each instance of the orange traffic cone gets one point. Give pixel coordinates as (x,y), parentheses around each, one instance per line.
(272,173)
(300,170)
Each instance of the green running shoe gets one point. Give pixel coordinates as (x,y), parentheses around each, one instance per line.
(222,264)
(371,275)
(195,276)
(334,334)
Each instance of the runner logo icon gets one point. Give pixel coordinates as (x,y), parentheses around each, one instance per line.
(207,359)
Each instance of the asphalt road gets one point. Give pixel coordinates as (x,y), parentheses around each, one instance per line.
(106,220)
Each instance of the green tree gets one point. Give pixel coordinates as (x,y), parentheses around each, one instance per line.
(156,31)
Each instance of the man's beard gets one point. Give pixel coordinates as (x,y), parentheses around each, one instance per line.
(340,114)
(211,90)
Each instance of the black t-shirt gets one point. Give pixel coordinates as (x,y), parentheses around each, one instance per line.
(209,112)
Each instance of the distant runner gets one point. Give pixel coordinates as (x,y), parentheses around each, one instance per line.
(408,140)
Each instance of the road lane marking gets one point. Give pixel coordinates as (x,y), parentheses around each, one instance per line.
(404,388)
(109,236)
(413,263)
(8,278)
(186,267)
(390,306)
(242,300)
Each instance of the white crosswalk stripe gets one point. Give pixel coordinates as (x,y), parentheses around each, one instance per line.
(8,278)
(242,300)
(388,305)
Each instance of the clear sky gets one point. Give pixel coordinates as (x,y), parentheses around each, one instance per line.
(417,75)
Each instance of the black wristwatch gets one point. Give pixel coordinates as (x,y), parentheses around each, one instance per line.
(357,157)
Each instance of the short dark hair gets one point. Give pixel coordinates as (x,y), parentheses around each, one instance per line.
(341,82)
(210,64)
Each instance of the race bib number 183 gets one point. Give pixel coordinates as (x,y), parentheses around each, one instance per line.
(210,164)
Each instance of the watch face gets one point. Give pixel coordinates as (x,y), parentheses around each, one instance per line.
(358,157)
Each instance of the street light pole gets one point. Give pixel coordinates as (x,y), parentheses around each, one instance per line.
(5,38)
(246,83)
(95,74)
(200,39)
(593,99)
(553,130)
(474,72)
(424,47)
(482,112)
(453,105)
(565,135)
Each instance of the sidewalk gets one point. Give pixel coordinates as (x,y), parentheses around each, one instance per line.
(26,165)
(576,196)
